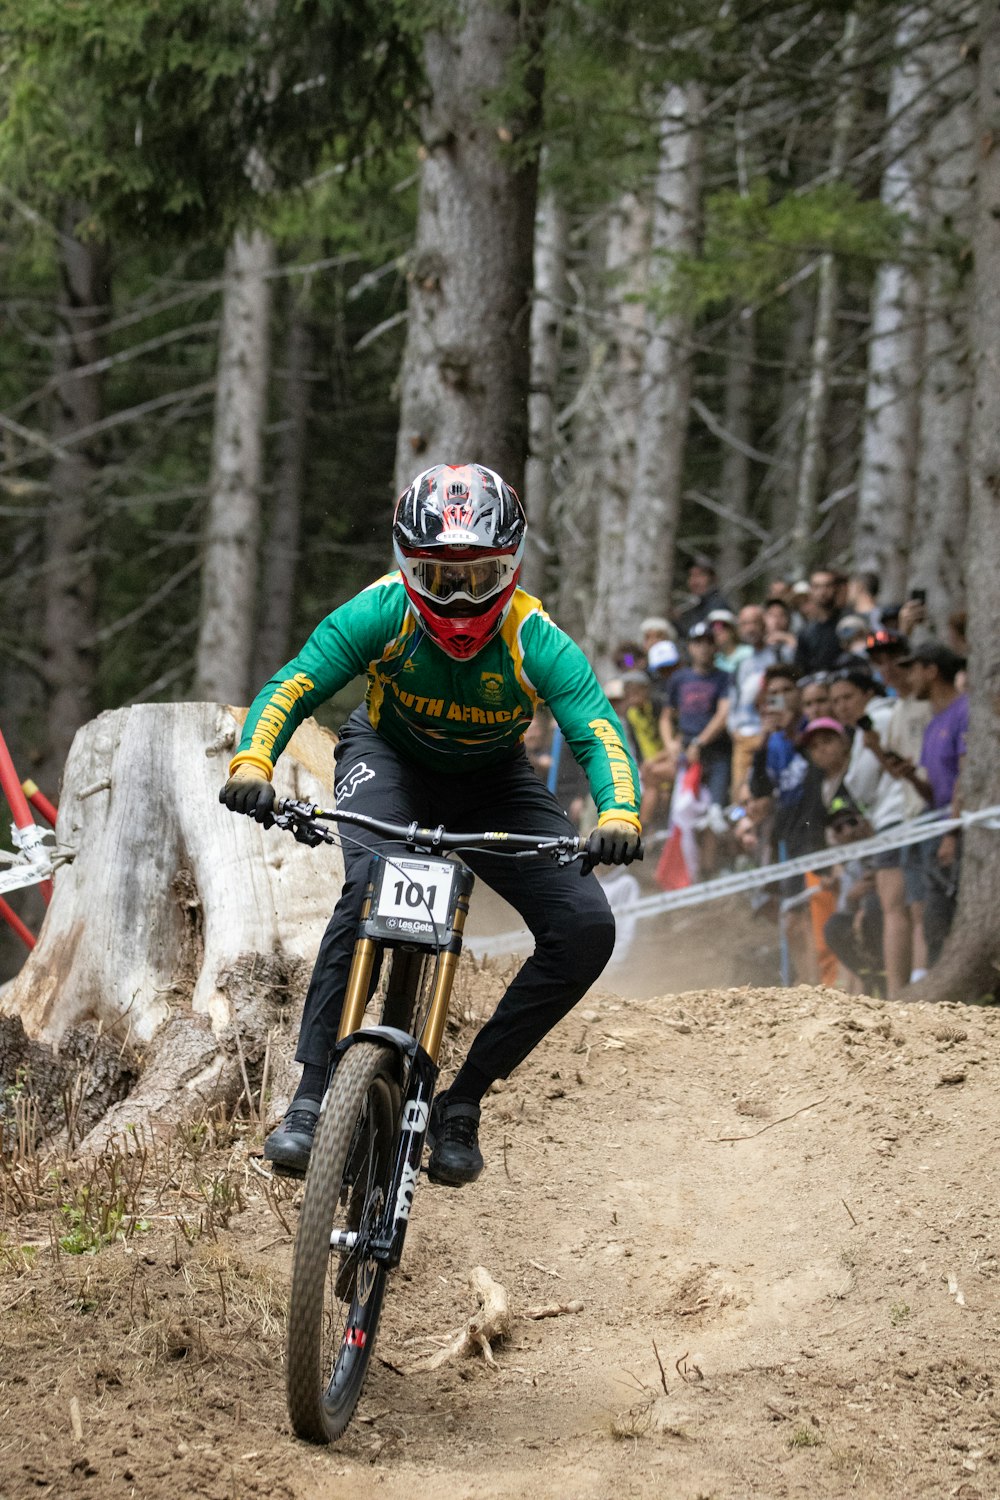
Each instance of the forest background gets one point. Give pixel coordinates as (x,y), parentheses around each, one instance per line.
(692,277)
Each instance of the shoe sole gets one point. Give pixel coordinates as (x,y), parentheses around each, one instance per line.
(286,1169)
(287,1164)
(454,1179)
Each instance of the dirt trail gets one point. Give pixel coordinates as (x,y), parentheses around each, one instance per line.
(822,1290)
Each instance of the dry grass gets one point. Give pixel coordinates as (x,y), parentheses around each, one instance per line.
(147,1254)
(196,1178)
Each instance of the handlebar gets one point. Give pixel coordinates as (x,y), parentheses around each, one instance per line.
(306,821)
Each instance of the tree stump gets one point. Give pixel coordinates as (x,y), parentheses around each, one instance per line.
(175,927)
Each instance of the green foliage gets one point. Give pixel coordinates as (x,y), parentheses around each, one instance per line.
(604,64)
(607,63)
(93,1220)
(16,1259)
(754,242)
(177,116)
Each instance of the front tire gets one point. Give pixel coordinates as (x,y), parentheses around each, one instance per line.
(336,1297)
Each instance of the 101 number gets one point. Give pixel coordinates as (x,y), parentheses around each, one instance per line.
(412,893)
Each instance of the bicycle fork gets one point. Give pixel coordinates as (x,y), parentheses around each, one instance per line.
(385,1245)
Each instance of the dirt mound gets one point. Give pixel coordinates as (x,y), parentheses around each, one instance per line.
(778,1209)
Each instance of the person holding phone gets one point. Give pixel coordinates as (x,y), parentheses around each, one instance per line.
(936,671)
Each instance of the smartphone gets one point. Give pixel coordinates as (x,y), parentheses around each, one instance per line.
(919,596)
(865,722)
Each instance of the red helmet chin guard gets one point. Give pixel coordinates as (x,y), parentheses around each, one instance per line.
(461,636)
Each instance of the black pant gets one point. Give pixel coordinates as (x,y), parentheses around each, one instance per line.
(940,897)
(568,915)
(862,954)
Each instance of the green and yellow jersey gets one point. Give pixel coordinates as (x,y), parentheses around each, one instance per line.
(444,713)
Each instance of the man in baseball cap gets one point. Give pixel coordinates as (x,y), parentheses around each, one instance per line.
(935,654)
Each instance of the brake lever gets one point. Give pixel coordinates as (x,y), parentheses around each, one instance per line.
(293,820)
(308,833)
(558,851)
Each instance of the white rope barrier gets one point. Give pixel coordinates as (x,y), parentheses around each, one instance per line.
(901,836)
(33,860)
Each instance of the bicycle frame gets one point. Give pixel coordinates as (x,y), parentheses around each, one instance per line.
(418,1055)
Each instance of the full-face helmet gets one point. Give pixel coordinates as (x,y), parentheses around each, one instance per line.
(458,537)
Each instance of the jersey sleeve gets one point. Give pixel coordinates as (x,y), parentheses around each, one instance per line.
(564,680)
(339,649)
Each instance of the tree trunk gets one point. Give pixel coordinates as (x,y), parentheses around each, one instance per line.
(465,370)
(225,649)
(281,553)
(547,313)
(887,479)
(812,462)
(968,966)
(942,492)
(626,269)
(577,511)
(737,421)
(654,508)
(817,405)
(171,912)
(779,483)
(70,527)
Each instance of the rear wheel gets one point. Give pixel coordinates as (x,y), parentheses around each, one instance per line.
(336,1296)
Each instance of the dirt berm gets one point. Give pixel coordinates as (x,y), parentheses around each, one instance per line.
(778,1209)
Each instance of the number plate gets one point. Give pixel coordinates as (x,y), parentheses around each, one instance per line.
(414,898)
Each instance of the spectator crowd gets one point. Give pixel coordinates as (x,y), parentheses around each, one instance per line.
(808,721)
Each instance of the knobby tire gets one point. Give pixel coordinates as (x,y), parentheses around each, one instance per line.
(336,1299)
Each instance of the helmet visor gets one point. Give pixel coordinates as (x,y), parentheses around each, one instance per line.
(477,580)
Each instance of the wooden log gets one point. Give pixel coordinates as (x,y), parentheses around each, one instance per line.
(168,908)
(491,1324)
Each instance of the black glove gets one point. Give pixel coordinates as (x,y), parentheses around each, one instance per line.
(248,792)
(612,843)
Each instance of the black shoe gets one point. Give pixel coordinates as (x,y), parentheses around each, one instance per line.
(453,1136)
(289,1146)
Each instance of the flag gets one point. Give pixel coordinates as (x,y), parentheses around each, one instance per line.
(677,867)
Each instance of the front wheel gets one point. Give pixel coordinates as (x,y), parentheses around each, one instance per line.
(337,1293)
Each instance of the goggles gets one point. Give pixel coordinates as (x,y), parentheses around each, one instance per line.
(477,580)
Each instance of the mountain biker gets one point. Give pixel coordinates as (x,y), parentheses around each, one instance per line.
(457,658)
